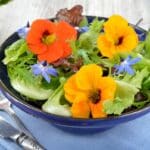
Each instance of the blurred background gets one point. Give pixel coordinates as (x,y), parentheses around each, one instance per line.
(18,12)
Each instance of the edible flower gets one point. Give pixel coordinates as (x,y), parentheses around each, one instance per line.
(82,29)
(126,65)
(22,32)
(87,91)
(50,41)
(42,68)
(118,37)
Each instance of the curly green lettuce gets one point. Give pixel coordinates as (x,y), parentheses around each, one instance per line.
(127,88)
(124,98)
(19,60)
(86,46)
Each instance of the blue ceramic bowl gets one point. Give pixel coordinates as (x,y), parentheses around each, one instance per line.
(67,123)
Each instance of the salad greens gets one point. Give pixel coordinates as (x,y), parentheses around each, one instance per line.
(124,98)
(86,46)
(53,104)
(21,77)
(147,46)
(13,52)
(19,60)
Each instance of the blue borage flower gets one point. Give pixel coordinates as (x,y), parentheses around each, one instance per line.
(126,65)
(82,29)
(42,68)
(22,32)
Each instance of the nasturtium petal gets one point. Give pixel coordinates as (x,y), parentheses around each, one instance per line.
(108,92)
(119,37)
(87,76)
(97,110)
(115,21)
(70,88)
(50,40)
(88,90)
(106,46)
(80,108)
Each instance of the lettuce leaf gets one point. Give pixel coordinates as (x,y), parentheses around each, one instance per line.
(127,87)
(96,25)
(88,40)
(13,52)
(124,98)
(84,22)
(31,91)
(140,47)
(140,104)
(19,60)
(53,104)
(146,84)
(138,78)
(145,62)
(23,81)
(86,46)
(147,46)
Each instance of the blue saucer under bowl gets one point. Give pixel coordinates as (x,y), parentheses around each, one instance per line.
(65,123)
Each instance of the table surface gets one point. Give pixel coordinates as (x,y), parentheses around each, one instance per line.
(134,135)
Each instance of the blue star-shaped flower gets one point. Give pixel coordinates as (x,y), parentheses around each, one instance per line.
(126,65)
(22,32)
(82,29)
(42,68)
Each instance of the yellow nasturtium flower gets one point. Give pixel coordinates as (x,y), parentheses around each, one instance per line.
(87,90)
(118,37)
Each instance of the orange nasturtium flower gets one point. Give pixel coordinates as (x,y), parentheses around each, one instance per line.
(50,41)
(87,90)
(118,37)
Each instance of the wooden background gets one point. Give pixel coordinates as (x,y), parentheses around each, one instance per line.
(18,12)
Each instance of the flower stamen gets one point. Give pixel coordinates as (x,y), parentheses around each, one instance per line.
(48,39)
(119,41)
(95,96)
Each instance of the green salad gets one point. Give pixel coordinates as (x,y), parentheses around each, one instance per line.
(84,70)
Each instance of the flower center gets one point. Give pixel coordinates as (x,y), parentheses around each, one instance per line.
(119,41)
(95,96)
(48,38)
